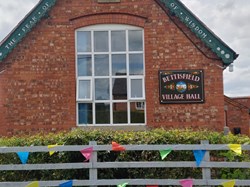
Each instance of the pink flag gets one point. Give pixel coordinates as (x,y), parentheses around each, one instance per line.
(186,183)
(87,153)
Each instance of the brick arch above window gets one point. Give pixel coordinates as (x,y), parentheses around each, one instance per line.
(108,18)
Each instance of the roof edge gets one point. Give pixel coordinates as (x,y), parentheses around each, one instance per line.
(233,102)
(220,48)
(24,27)
(178,9)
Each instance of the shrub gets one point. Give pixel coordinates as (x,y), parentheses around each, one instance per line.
(156,136)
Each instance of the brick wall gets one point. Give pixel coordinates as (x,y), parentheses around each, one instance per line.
(243,100)
(38,86)
(237,115)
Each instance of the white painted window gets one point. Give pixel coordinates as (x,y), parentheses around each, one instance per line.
(110,76)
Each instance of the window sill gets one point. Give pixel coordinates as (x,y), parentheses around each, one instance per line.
(136,127)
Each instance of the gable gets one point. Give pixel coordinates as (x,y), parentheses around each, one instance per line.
(221,49)
(235,103)
(25,26)
(178,9)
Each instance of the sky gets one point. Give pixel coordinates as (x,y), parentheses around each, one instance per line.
(228,19)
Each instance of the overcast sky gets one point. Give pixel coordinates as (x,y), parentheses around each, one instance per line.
(228,19)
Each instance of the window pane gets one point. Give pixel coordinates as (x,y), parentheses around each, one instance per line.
(119,65)
(136,64)
(102,113)
(83,41)
(84,65)
(84,89)
(101,65)
(120,113)
(101,41)
(118,41)
(119,89)
(136,88)
(137,112)
(85,113)
(102,89)
(110,75)
(135,40)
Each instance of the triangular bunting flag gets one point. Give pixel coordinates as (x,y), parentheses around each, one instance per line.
(122,185)
(228,184)
(117,147)
(23,156)
(33,184)
(165,153)
(66,184)
(199,155)
(186,183)
(236,148)
(87,153)
(51,146)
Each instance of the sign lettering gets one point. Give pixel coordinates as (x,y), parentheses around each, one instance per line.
(25,27)
(181,86)
(200,30)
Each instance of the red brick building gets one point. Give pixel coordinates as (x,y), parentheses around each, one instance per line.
(60,68)
(237,114)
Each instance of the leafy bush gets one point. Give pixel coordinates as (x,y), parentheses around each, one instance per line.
(156,136)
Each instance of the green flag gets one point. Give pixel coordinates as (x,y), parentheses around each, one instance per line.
(122,185)
(165,153)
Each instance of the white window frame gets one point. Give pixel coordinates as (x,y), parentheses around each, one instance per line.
(143,88)
(129,100)
(91,89)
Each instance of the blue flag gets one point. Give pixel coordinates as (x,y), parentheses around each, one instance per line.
(67,184)
(23,156)
(199,155)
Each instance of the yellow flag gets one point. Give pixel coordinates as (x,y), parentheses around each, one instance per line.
(51,146)
(236,148)
(228,184)
(33,184)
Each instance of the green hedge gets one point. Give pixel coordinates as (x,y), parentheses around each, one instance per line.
(156,136)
